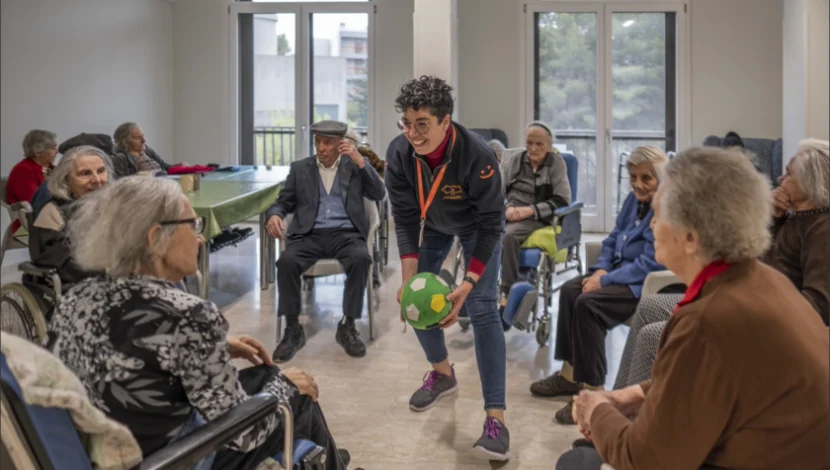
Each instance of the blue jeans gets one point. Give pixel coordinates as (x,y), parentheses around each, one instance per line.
(481,306)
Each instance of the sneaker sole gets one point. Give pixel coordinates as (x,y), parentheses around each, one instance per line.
(490,455)
(446,393)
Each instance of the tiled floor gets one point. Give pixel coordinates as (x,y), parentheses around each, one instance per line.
(365,400)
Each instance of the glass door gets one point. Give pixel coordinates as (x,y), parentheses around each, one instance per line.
(296,64)
(644,68)
(565,50)
(606,78)
(340,76)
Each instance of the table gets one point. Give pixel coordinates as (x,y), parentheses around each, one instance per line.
(260,174)
(227,198)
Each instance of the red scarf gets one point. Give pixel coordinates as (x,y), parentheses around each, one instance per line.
(707,274)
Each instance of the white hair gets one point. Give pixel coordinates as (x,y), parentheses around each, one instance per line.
(58,184)
(37,141)
(811,170)
(647,155)
(544,127)
(721,196)
(109,231)
(121,134)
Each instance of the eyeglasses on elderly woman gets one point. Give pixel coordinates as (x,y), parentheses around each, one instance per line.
(198,223)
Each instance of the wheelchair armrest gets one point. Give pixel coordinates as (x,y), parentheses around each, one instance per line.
(658,280)
(206,439)
(24,205)
(592,252)
(33,270)
(563,211)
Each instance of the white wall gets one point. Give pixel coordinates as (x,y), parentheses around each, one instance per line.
(794,49)
(85,66)
(202,67)
(818,68)
(735,66)
(805,74)
(436,40)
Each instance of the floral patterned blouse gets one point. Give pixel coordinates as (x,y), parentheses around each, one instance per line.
(150,355)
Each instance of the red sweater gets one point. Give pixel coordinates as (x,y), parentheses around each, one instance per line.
(24,180)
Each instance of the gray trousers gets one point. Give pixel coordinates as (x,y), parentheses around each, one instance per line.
(515,233)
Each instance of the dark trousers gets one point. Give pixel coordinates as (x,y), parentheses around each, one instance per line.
(515,233)
(309,424)
(584,320)
(581,458)
(587,458)
(301,252)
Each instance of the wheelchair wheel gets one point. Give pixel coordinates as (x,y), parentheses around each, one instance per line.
(384,241)
(21,314)
(543,333)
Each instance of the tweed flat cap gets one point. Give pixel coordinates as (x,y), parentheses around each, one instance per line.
(330,128)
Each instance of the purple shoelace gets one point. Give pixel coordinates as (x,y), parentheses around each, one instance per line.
(492,428)
(430,380)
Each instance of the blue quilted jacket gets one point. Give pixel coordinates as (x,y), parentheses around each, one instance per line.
(628,252)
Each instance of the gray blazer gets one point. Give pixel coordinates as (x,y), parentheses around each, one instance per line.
(300,194)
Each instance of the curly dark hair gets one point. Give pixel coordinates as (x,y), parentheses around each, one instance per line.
(427,92)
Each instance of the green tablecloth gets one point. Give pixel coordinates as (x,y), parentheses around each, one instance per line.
(260,174)
(226,202)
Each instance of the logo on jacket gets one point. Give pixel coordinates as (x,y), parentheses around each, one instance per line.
(487,173)
(452,192)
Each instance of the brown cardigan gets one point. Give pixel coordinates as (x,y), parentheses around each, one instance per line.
(741,381)
(801,250)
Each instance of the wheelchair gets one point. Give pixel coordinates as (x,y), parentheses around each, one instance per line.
(537,268)
(46,438)
(381,243)
(26,306)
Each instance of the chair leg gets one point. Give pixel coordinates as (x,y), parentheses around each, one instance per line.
(279,329)
(370,307)
(7,239)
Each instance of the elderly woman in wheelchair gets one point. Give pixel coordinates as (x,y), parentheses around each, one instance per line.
(606,297)
(155,358)
(542,228)
(81,171)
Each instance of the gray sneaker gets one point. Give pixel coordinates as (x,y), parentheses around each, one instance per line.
(436,386)
(494,443)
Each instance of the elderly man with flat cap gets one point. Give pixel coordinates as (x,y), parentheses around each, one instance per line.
(325,193)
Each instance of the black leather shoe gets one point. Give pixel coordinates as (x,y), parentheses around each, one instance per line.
(348,337)
(293,340)
(582,443)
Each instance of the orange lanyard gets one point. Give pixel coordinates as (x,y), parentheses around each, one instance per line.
(425,205)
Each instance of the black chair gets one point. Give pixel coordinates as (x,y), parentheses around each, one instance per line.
(490,134)
(36,437)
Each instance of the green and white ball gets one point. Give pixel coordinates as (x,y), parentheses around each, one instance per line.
(424,301)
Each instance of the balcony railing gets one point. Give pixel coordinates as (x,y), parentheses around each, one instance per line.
(583,145)
(274,145)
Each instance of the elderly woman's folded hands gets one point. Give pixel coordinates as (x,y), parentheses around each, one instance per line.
(627,400)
